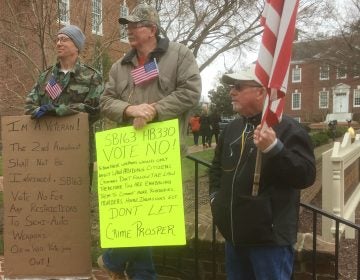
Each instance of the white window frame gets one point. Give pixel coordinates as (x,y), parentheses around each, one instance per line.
(124,11)
(298,119)
(64,16)
(96,17)
(323,94)
(293,96)
(338,72)
(324,72)
(296,74)
(356,97)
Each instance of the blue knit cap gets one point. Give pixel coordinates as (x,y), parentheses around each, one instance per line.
(75,34)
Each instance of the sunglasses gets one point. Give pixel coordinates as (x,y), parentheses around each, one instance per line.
(242,86)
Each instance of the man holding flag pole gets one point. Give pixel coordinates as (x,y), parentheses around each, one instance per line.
(262,161)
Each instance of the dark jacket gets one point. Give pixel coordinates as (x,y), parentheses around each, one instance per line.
(284,172)
(205,126)
(214,121)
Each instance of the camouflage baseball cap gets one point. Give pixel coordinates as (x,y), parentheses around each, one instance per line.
(141,12)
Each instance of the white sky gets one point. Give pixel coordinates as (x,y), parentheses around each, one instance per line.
(210,75)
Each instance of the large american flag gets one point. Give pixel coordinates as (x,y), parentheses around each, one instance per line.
(145,73)
(53,88)
(272,66)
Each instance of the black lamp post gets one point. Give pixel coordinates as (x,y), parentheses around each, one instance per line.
(332,127)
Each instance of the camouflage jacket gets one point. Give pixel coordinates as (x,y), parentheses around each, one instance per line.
(81,90)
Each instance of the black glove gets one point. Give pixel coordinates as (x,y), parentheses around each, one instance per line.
(42,110)
(91,110)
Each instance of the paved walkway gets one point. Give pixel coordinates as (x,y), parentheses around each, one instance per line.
(199,148)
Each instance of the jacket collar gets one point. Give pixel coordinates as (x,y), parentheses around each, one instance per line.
(161,48)
(76,69)
(254,120)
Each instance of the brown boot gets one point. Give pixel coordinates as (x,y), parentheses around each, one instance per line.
(112,275)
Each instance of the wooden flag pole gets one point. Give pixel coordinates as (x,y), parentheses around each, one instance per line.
(258,162)
(256,183)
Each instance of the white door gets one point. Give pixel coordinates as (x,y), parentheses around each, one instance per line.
(341,102)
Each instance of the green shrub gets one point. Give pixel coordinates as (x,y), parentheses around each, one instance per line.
(320,138)
(340,131)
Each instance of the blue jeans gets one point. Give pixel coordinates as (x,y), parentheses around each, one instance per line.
(137,262)
(259,263)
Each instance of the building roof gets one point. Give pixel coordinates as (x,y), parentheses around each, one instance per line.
(336,49)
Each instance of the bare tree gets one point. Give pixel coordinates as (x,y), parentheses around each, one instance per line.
(337,39)
(349,29)
(211,29)
(216,27)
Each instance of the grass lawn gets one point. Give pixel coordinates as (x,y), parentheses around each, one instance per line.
(188,165)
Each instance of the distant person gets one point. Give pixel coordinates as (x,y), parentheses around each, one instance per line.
(195,128)
(205,129)
(260,230)
(171,90)
(69,86)
(215,126)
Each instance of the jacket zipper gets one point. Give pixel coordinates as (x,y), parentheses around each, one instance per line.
(232,194)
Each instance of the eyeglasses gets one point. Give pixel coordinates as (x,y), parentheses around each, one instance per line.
(241,87)
(61,39)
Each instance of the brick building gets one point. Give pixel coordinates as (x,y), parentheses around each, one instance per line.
(324,81)
(27,30)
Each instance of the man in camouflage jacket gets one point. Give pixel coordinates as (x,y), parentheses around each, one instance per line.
(80,86)
(69,86)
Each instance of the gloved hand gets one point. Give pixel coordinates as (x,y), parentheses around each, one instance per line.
(42,110)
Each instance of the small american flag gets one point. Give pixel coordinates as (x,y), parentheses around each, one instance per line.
(53,88)
(272,67)
(145,73)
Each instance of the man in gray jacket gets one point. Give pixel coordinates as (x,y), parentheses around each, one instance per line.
(156,80)
(171,94)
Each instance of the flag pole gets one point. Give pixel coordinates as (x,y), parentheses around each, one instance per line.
(258,161)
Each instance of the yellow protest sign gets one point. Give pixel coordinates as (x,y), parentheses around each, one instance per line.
(140,186)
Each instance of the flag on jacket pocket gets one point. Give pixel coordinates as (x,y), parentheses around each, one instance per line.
(53,88)
(145,73)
